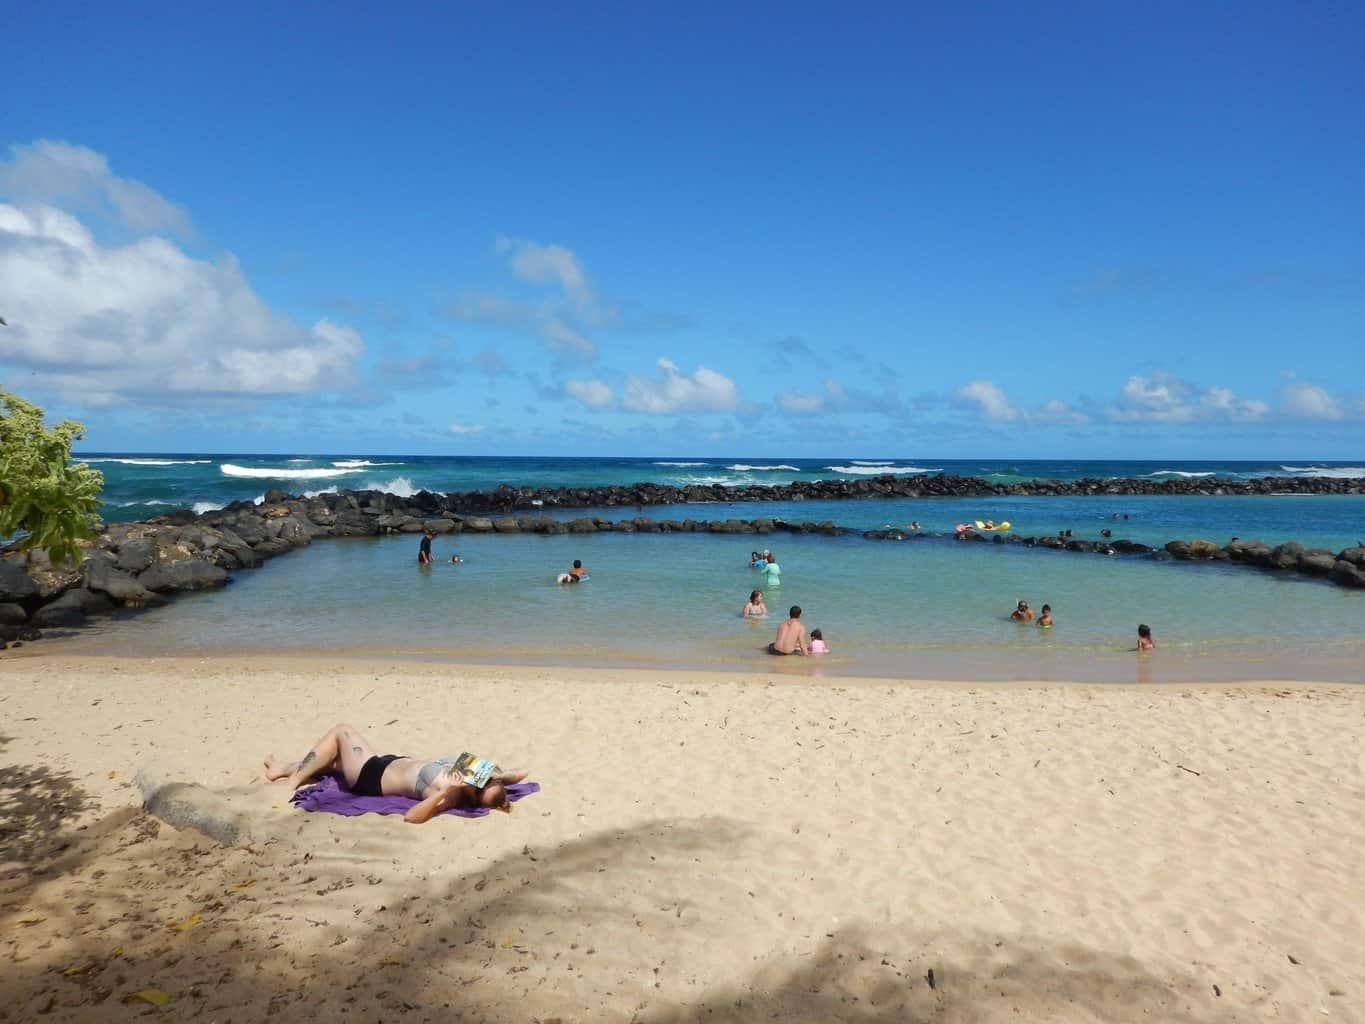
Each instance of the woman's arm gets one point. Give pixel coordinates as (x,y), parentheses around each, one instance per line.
(442,800)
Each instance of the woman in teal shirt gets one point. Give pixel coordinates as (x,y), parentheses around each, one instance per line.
(772,572)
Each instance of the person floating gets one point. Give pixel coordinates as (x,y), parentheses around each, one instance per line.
(578,572)
(455,559)
(1045,619)
(1145,641)
(755,608)
(424,549)
(438,784)
(791,635)
(915,526)
(817,642)
(1022,613)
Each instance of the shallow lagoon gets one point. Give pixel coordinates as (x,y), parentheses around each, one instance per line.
(919,609)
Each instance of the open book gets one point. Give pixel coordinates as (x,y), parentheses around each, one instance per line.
(476,771)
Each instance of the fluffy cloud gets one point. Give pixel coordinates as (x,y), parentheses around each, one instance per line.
(1165,398)
(800,403)
(992,404)
(703,391)
(466,428)
(592,393)
(99,322)
(548,264)
(1310,402)
(74,177)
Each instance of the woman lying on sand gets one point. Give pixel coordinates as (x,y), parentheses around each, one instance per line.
(436,784)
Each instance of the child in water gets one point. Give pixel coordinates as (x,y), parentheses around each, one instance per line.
(817,642)
(1045,619)
(1145,641)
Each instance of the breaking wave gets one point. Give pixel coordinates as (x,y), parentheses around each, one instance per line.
(680,463)
(1177,472)
(152,462)
(357,463)
(874,462)
(880,470)
(200,507)
(741,467)
(1327,472)
(283,472)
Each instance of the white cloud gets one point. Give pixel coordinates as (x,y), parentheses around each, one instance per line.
(592,393)
(1165,398)
(67,176)
(994,405)
(95,321)
(466,428)
(563,338)
(800,403)
(548,264)
(989,400)
(703,391)
(1310,402)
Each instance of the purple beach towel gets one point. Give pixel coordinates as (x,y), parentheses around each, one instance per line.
(332,796)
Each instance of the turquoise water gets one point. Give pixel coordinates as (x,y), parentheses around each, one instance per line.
(924,609)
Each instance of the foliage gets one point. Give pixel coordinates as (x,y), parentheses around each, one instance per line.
(46,500)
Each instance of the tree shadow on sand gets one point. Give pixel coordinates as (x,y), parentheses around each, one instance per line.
(35,804)
(585,930)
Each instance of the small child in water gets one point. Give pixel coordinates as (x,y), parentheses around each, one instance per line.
(1145,641)
(817,642)
(1045,619)
(455,559)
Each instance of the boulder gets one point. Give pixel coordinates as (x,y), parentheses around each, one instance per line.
(188,574)
(15,584)
(71,609)
(581,526)
(1179,549)
(352,522)
(136,555)
(1317,563)
(12,615)
(1203,549)
(1347,575)
(293,533)
(1356,556)
(504,524)
(478,524)
(1286,556)
(101,575)
(438,525)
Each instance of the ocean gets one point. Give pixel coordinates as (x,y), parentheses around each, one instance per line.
(920,609)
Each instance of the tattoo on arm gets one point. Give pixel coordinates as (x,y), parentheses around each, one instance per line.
(357,751)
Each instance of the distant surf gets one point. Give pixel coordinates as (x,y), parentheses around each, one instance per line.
(1327,472)
(283,472)
(151,462)
(683,464)
(1178,472)
(741,467)
(881,469)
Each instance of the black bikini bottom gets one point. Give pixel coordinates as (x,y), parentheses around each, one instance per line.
(367,783)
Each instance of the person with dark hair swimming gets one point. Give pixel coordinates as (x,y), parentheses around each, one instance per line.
(755,608)
(791,635)
(438,784)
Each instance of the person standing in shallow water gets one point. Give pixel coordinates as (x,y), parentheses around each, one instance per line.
(772,572)
(424,549)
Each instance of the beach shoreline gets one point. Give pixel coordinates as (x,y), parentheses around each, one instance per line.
(706,846)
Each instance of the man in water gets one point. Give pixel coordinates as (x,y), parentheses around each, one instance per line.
(1023,613)
(791,635)
(424,551)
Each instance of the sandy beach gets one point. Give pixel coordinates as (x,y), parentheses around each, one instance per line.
(705,847)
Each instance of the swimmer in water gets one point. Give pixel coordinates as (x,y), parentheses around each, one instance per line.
(755,609)
(1023,613)
(455,559)
(915,526)
(1045,619)
(1145,641)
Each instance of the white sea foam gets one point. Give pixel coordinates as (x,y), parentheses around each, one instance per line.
(1177,472)
(680,463)
(1327,472)
(200,507)
(152,462)
(282,472)
(883,470)
(399,485)
(140,501)
(741,467)
(357,463)
(874,462)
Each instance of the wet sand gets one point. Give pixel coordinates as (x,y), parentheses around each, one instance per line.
(707,846)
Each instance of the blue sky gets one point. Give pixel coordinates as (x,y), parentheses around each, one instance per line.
(1000,231)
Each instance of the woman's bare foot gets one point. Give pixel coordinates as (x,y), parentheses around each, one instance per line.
(275,769)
